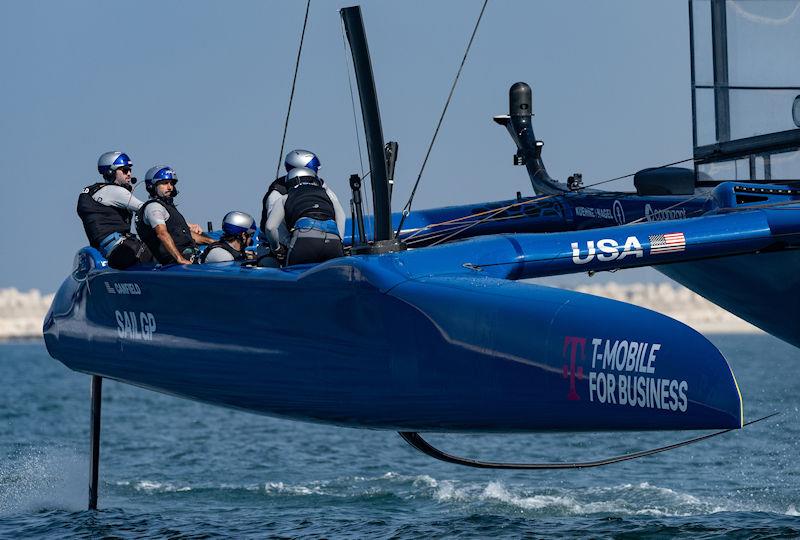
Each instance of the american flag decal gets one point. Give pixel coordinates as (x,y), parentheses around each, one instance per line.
(667,243)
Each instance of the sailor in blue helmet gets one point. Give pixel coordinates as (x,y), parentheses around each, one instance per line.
(237,233)
(162,227)
(294,159)
(106,208)
(312,214)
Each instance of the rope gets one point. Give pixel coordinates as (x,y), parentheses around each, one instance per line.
(407,207)
(530,201)
(498,211)
(633,173)
(490,214)
(294,83)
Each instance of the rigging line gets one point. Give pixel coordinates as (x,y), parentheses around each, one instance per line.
(441,232)
(407,207)
(633,173)
(446,238)
(462,218)
(294,83)
(492,213)
(534,200)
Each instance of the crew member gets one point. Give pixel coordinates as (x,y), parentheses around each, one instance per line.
(161,226)
(237,233)
(294,159)
(106,208)
(314,217)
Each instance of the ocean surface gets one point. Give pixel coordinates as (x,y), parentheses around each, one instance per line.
(176,469)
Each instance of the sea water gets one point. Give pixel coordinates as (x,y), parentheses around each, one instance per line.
(172,468)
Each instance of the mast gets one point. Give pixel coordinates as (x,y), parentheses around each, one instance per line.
(354,28)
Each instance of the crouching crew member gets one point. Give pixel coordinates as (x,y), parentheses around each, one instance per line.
(106,208)
(314,217)
(237,233)
(293,160)
(161,226)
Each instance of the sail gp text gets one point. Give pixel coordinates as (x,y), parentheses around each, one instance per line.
(135,325)
(621,374)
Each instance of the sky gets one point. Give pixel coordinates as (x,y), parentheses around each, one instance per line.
(204,85)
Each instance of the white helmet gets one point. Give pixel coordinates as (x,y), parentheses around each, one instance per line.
(235,223)
(109,162)
(302,158)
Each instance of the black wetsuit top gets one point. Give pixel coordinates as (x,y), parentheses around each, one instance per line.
(100,220)
(177,228)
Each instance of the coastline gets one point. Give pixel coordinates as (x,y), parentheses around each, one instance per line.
(22,314)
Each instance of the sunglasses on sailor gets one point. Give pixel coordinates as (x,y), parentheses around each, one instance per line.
(125,170)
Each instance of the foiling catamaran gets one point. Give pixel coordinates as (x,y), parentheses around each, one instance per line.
(480,350)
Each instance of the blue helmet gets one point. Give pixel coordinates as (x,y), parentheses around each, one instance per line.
(157,174)
(302,158)
(109,162)
(235,223)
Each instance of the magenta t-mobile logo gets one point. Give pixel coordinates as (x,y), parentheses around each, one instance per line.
(569,371)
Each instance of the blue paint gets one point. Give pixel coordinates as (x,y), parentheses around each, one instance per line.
(443,338)
(464,352)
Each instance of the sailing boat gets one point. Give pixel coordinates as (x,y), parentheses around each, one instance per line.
(447,337)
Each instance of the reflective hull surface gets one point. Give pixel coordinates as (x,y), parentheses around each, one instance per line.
(357,342)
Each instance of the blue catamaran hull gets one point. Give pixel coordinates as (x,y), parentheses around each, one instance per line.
(356,342)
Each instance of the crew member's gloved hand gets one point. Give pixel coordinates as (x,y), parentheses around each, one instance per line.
(280,254)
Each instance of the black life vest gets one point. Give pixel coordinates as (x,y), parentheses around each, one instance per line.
(222,244)
(177,228)
(307,200)
(278,185)
(100,220)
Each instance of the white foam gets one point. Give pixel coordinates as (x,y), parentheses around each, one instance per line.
(792,511)
(632,499)
(643,499)
(280,487)
(150,486)
(49,478)
(497,491)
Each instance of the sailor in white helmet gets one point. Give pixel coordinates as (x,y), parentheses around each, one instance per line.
(294,159)
(237,234)
(106,209)
(313,216)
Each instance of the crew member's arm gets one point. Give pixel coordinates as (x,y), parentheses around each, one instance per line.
(156,216)
(118,197)
(169,243)
(262,225)
(274,197)
(338,211)
(200,238)
(283,232)
(276,216)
